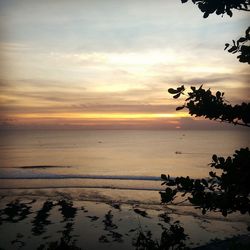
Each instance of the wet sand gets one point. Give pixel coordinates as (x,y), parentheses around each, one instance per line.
(32,222)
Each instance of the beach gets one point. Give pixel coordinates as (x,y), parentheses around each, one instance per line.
(36,222)
(48,203)
(124,125)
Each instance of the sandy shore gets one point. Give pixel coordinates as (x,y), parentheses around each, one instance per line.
(62,223)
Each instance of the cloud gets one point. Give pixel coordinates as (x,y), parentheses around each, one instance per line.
(110,56)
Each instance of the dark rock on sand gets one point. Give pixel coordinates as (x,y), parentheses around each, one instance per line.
(141,212)
(15,211)
(93,218)
(41,219)
(67,209)
(109,225)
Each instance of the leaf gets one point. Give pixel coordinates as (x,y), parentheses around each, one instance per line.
(247,32)
(164,177)
(215,158)
(184,1)
(221,160)
(180,108)
(241,40)
(168,195)
(230,13)
(181,88)
(173,91)
(233,48)
(218,94)
(226,46)
(212,174)
(206,14)
(177,96)
(204,182)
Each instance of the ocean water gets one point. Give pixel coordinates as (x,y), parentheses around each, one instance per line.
(104,161)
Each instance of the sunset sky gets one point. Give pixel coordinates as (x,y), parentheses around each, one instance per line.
(108,64)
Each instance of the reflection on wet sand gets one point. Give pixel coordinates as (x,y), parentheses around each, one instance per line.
(64,224)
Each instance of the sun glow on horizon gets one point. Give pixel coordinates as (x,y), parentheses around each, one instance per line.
(102,116)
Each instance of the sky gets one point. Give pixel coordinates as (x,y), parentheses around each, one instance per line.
(108,64)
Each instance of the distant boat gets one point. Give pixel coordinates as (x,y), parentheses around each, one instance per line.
(178,152)
(99,141)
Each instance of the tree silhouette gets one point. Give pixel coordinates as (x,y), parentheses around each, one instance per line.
(228,192)
(241,47)
(220,7)
(202,103)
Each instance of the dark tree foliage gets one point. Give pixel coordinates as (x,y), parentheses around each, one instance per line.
(230,191)
(226,193)
(240,46)
(220,7)
(202,103)
(227,189)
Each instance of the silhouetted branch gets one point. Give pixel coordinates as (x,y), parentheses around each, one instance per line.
(241,47)
(220,7)
(202,103)
(226,193)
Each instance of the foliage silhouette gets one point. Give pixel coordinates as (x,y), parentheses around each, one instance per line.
(230,191)
(226,193)
(220,7)
(202,103)
(241,47)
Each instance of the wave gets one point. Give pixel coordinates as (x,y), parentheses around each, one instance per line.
(85,187)
(37,167)
(44,167)
(25,175)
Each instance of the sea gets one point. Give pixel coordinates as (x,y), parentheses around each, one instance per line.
(108,164)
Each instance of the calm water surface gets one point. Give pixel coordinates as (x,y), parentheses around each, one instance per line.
(122,159)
